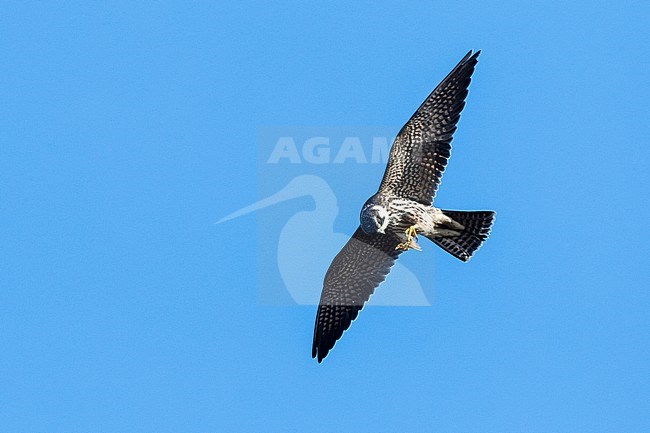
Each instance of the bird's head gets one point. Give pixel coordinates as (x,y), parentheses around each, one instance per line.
(374,218)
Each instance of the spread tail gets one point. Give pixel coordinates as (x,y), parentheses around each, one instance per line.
(477,228)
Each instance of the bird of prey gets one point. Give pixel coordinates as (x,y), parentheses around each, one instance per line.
(402,209)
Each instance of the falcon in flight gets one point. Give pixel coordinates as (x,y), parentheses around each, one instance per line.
(402,209)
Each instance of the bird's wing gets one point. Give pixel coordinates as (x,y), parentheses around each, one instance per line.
(355,272)
(422,147)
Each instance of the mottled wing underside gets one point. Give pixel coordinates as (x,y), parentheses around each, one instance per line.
(420,152)
(355,272)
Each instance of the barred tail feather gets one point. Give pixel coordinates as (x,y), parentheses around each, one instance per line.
(477,229)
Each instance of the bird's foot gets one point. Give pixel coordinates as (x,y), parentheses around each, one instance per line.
(410,242)
(403,246)
(408,245)
(411,233)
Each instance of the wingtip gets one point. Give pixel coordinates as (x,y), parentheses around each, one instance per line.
(322,353)
(473,55)
(316,354)
(468,61)
(317,350)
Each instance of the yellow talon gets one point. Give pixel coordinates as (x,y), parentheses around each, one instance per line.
(411,233)
(403,246)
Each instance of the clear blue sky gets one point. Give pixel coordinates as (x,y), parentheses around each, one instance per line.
(127,130)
